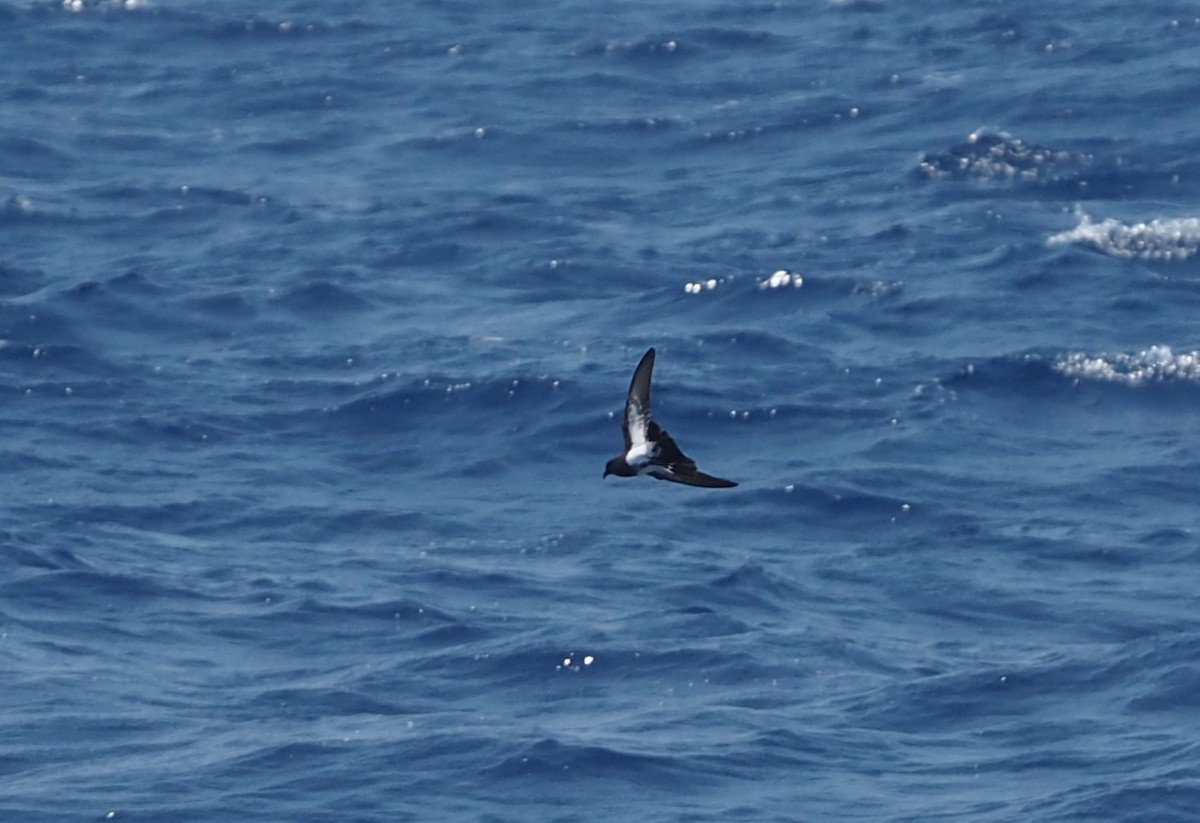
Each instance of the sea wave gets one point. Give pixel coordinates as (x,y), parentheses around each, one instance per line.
(1155,364)
(1000,156)
(1171,239)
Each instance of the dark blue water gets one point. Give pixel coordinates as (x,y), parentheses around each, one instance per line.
(314,322)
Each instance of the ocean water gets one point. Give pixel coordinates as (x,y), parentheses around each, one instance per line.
(316,321)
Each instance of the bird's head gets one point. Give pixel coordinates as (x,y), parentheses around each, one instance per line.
(612,466)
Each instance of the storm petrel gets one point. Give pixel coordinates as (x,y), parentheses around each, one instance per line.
(649,449)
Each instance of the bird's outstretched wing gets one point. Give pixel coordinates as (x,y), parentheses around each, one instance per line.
(670,463)
(636,425)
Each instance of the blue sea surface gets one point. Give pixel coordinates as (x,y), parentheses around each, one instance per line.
(316,322)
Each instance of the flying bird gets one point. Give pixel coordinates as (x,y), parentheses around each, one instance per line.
(649,449)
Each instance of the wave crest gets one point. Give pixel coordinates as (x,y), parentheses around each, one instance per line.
(1001,156)
(1155,364)
(1166,240)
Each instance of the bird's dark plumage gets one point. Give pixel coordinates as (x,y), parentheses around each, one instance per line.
(649,449)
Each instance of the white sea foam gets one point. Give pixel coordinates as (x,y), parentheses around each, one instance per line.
(1170,240)
(781,279)
(988,155)
(701,285)
(1155,364)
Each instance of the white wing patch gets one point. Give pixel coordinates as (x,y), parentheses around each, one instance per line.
(639,455)
(636,423)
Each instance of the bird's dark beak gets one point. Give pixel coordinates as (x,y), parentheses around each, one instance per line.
(606,473)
